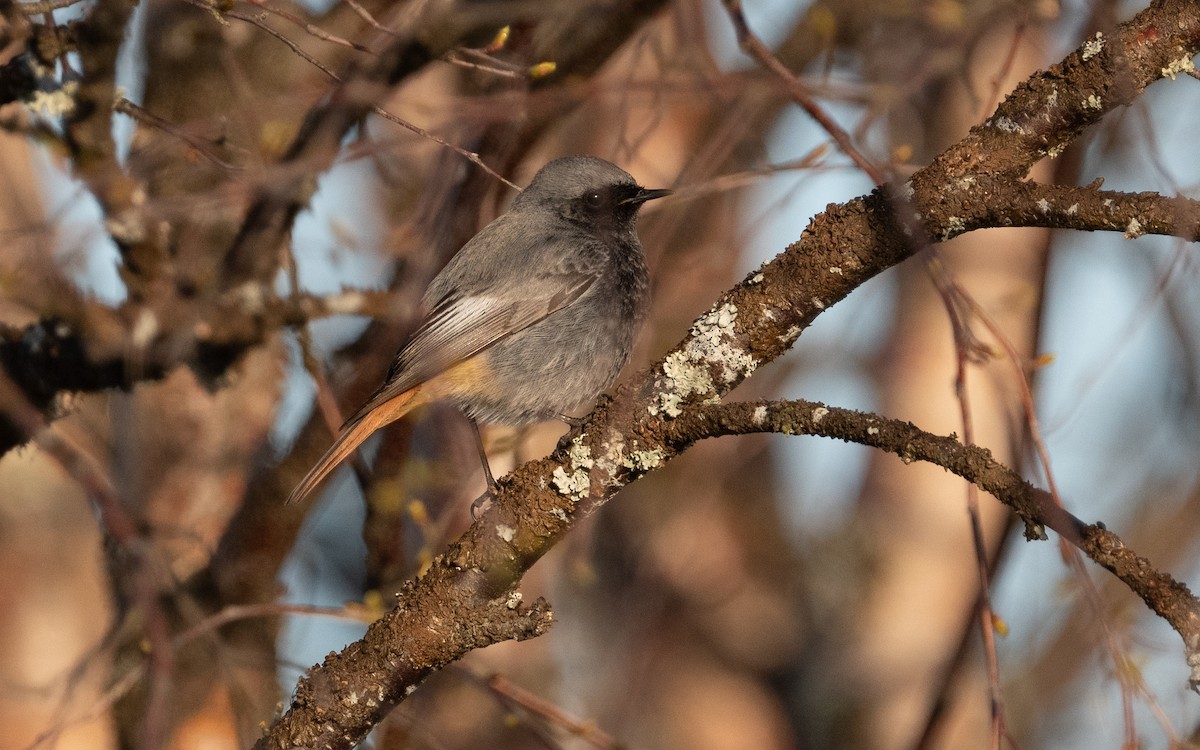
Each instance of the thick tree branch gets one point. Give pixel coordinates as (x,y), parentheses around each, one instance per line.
(89,128)
(1001,202)
(645,425)
(336,705)
(1042,116)
(108,351)
(1168,598)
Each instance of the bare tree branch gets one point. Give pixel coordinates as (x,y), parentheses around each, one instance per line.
(1168,598)
(1027,204)
(648,423)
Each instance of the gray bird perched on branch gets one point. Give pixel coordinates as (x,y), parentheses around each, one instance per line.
(532,319)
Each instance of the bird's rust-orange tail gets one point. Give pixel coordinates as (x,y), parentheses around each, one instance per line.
(353,436)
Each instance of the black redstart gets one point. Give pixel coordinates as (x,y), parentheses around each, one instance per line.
(533,318)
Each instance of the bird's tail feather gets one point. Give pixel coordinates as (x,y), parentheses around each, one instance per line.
(353,435)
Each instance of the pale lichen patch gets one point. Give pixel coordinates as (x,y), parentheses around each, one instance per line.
(578,482)
(574,485)
(1006,125)
(346,303)
(643,461)
(613,449)
(1134,229)
(55,104)
(1179,65)
(685,378)
(710,349)
(580,454)
(1092,47)
(954,226)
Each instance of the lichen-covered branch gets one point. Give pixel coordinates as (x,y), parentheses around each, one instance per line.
(1168,598)
(646,424)
(336,705)
(1028,204)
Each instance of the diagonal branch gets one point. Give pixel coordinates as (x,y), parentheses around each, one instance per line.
(752,45)
(1028,204)
(1168,598)
(645,425)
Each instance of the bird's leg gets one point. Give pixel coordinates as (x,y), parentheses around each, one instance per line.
(492,487)
(576,425)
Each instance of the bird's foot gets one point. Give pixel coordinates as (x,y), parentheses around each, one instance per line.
(478,503)
(576,425)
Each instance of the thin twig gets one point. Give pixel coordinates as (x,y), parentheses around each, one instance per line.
(470,156)
(365,15)
(513,694)
(505,72)
(1071,554)
(102,706)
(799,92)
(234,613)
(309,28)
(256,21)
(126,107)
(811,162)
(585,730)
(985,612)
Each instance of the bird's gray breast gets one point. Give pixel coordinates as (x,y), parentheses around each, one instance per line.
(563,362)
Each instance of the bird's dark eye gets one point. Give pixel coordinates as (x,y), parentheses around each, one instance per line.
(594,200)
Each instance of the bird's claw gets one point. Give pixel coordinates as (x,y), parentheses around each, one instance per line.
(576,427)
(487,496)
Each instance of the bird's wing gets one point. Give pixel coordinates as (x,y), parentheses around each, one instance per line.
(461,326)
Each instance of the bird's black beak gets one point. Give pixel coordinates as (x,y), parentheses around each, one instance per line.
(643,195)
